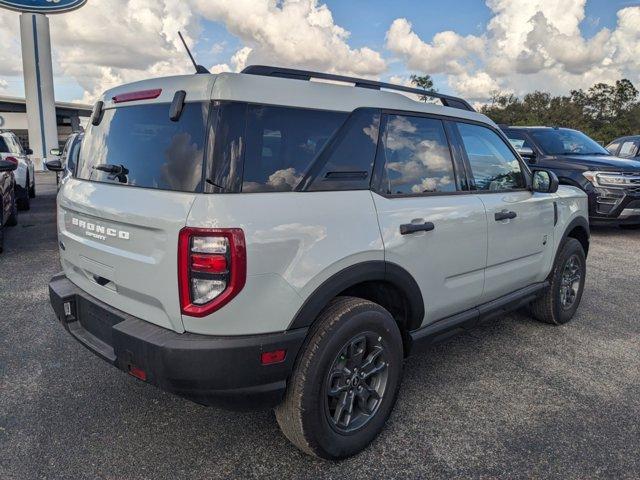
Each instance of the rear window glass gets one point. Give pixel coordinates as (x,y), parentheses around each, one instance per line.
(140,146)
(282,143)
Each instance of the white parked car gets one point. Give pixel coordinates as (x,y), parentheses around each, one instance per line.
(258,239)
(65,165)
(11,148)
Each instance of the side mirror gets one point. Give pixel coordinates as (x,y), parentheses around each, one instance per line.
(7,166)
(545,181)
(55,152)
(54,165)
(526,153)
(28,151)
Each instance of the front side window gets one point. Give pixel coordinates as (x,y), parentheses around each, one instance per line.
(416,157)
(282,144)
(629,149)
(555,141)
(141,146)
(493,165)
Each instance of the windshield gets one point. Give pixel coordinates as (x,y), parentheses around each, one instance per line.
(141,146)
(566,142)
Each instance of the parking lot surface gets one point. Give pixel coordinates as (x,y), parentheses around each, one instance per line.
(513,398)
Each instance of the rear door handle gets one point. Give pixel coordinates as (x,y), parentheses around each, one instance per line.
(505,215)
(408,228)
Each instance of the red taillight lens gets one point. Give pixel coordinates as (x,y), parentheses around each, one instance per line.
(212,268)
(140,95)
(12,160)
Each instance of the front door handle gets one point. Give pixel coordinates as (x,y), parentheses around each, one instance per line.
(408,228)
(505,215)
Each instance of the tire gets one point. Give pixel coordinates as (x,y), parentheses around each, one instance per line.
(32,189)
(307,416)
(557,305)
(1,231)
(12,221)
(24,202)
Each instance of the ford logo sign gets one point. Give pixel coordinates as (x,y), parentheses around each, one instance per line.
(42,6)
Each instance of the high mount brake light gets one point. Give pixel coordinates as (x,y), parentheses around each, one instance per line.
(140,95)
(212,268)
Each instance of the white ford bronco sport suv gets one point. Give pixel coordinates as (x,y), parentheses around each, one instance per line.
(261,239)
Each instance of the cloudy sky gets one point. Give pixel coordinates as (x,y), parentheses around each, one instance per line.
(470,47)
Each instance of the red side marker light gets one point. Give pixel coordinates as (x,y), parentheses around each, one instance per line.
(276,356)
(138,373)
(140,95)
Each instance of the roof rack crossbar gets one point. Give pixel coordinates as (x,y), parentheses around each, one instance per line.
(269,71)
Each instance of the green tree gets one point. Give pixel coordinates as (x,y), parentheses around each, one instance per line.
(424,82)
(603,111)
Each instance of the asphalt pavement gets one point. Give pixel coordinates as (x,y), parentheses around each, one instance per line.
(512,399)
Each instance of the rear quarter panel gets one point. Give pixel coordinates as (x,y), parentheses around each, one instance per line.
(295,241)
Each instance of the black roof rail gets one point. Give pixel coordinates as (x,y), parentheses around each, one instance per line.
(269,71)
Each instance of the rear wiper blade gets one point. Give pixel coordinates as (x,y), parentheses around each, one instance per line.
(211,182)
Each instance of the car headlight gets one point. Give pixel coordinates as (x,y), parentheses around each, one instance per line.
(604,179)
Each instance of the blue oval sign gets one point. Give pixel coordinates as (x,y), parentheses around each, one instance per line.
(42,6)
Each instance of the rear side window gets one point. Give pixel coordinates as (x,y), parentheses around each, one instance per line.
(4,146)
(518,140)
(347,162)
(493,164)
(416,156)
(282,143)
(140,146)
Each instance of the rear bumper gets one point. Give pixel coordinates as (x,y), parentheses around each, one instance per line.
(222,371)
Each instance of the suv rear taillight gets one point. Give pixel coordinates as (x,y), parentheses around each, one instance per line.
(212,268)
(12,160)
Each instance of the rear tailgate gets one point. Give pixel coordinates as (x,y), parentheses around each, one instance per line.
(120,245)
(139,170)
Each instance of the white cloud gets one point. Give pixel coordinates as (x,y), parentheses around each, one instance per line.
(101,49)
(442,55)
(10,58)
(109,43)
(300,33)
(527,45)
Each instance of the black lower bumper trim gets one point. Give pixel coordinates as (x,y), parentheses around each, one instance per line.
(211,370)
